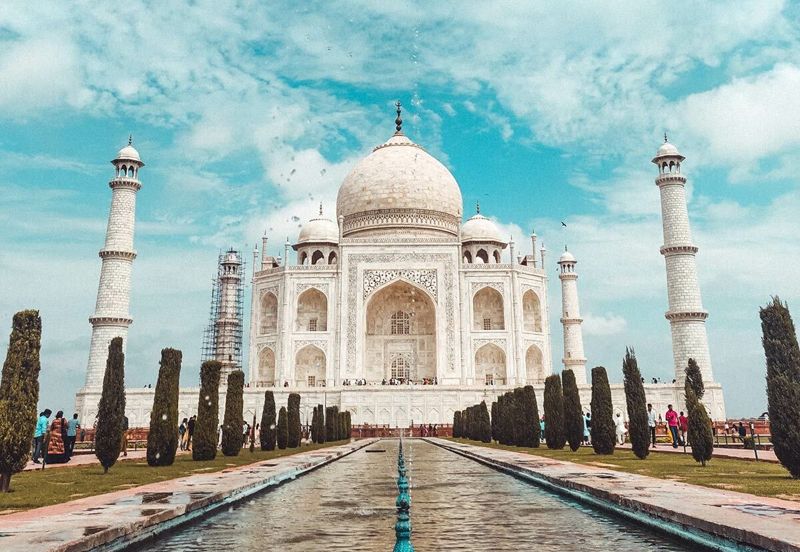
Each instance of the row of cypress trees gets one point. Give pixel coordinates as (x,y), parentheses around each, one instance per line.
(473,423)
(329,424)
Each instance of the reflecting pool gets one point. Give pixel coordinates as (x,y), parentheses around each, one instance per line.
(457,504)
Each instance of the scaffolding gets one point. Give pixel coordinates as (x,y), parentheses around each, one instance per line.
(222,338)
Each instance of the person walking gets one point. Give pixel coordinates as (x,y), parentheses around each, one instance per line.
(619,426)
(742,432)
(683,426)
(124,436)
(182,435)
(672,422)
(56,451)
(587,429)
(72,433)
(39,433)
(190,431)
(651,423)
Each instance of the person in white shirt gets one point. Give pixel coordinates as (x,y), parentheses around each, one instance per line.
(619,425)
(651,422)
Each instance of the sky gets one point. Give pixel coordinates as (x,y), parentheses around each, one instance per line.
(248,114)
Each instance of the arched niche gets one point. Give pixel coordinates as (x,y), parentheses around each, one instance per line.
(318,257)
(487,310)
(534,365)
(309,366)
(531,312)
(269,314)
(312,311)
(400,323)
(490,365)
(266,367)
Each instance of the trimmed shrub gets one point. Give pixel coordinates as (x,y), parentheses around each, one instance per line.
(493,413)
(348,426)
(283,428)
(19,394)
(554,434)
(342,426)
(783,383)
(233,423)
(603,432)
(457,424)
(695,378)
(204,440)
(700,436)
(331,427)
(504,415)
(320,424)
(636,402)
(111,409)
(314,426)
(573,412)
(268,432)
(485,423)
(531,432)
(162,439)
(518,420)
(293,419)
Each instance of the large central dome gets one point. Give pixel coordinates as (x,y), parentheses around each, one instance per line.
(399,187)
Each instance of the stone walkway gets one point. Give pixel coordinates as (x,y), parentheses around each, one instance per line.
(87,460)
(125,517)
(763,523)
(738,454)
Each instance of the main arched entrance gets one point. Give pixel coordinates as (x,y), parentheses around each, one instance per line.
(400,339)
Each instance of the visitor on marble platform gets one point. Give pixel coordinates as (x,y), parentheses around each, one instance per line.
(72,433)
(587,427)
(190,431)
(742,432)
(125,426)
(672,421)
(56,451)
(183,434)
(541,430)
(651,423)
(245,433)
(38,434)
(683,425)
(619,426)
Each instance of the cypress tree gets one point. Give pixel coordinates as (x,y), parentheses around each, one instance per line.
(233,423)
(342,426)
(531,430)
(554,434)
(268,430)
(636,402)
(518,424)
(573,412)
(320,424)
(695,378)
(700,435)
(111,409)
(783,383)
(283,428)
(293,419)
(348,427)
(204,440)
(486,424)
(329,425)
(314,426)
(19,394)
(162,439)
(494,420)
(457,424)
(603,433)
(503,414)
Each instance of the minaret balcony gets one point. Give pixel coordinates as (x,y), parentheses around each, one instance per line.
(123,182)
(571,320)
(686,315)
(678,250)
(116,254)
(110,321)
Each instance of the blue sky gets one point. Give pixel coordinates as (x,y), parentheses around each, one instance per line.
(249,115)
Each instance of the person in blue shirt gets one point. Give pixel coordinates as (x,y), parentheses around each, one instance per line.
(38,435)
(72,432)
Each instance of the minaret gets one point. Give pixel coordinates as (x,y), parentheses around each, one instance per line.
(571,317)
(111,317)
(686,315)
(228,332)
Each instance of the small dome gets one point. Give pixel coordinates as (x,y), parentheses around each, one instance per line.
(399,185)
(667,149)
(480,228)
(231,257)
(567,257)
(319,230)
(128,152)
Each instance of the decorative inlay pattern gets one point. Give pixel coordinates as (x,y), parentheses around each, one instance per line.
(424,278)
(494,285)
(300,288)
(320,343)
(267,345)
(478,343)
(272,289)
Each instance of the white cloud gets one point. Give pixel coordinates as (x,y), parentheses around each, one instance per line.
(603,325)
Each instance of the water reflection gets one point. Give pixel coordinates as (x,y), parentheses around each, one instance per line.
(457,504)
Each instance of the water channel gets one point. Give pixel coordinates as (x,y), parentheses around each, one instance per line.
(457,504)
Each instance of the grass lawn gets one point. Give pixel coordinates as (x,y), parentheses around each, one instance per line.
(758,478)
(33,489)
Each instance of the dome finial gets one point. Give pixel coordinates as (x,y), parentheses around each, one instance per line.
(665,138)
(130,139)
(478,207)
(398,123)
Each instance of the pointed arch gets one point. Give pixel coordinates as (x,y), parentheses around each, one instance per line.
(269,314)
(490,365)
(332,258)
(467,257)
(309,366)
(487,310)
(531,312)
(481,257)
(496,256)
(534,365)
(318,257)
(303,258)
(312,311)
(266,367)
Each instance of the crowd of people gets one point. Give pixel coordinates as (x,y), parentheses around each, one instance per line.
(54,442)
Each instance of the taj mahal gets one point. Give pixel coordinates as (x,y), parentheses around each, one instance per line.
(396,308)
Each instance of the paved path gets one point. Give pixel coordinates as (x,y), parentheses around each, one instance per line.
(87,460)
(127,516)
(739,454)
(763,523)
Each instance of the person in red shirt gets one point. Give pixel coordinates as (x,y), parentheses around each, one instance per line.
(683,425)
(672,421)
